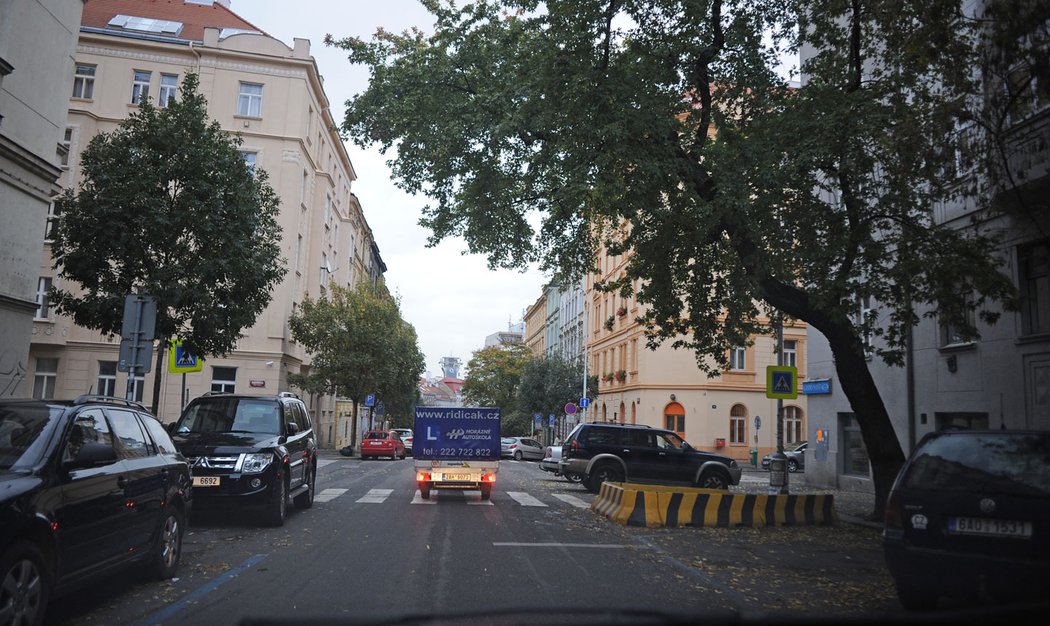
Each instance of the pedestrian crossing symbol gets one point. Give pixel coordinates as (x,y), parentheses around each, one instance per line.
(181,361)
(781,382)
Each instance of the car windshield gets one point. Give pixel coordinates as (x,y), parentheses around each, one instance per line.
(232,415)
(1017,464)
(21,427)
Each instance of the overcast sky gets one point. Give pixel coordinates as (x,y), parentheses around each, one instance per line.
(453,301)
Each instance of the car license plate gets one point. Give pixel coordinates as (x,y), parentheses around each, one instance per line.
(205,481)
(376,443)
(989,527)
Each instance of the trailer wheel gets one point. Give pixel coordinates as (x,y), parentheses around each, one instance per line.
(486,491)
(424,491)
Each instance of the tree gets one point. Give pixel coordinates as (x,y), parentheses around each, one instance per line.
(547,384)
(493,375)
(167,207)
(599,116)
(359,346)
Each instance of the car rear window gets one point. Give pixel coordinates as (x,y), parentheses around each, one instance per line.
(1013,463)
(376,434)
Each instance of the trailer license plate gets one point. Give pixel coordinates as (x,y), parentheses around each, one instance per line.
(457,477)
(205,481)
(989,527)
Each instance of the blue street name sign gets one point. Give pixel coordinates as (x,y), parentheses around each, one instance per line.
(816,387)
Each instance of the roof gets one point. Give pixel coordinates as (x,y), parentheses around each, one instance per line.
(194,16)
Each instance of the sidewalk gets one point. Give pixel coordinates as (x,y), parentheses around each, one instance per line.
(854,507)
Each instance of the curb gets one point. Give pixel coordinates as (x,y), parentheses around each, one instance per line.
(656,505)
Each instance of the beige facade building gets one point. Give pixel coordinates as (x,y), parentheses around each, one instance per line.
(272,96)
(535,325)
(665,388)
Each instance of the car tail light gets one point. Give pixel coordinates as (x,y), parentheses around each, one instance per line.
(549,453)
(574,446)
(894,514)
(513,445)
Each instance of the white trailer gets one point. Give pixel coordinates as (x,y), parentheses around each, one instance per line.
(456,448)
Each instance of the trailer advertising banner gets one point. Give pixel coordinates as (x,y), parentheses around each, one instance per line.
(456,434)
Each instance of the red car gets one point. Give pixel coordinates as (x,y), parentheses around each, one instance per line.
(377,443)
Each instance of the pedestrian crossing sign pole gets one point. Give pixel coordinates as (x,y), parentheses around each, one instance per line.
(782,382)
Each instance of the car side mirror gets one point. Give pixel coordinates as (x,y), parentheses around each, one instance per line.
(292,428)
(170,427)
(92,455)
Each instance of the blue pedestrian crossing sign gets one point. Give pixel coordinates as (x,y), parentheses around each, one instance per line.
(782,382)
(181,361)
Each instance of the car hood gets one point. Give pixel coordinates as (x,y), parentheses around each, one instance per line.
(196,444)
(14,484)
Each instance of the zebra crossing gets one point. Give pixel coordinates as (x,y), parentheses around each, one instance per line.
(468,496)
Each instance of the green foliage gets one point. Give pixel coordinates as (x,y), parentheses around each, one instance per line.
(493,376)
(360,345)
(547,384)
(167,207)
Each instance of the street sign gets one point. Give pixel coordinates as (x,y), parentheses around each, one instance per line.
(585,403)
(781,382)
(380,408)
(537,419)
(570,408)
(551,419)
(758,422)
(370,399)
(135,356)
(140,317)
(815,387)
(180,361)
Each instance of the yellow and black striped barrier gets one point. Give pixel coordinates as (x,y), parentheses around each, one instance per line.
(661,505)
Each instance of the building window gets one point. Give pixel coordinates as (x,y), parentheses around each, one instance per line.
(738,425)
(169,87)
(793,428)
(138,385)
(45,379)
(107,378)
(223,379)
(952,334)
(250,159)
(63,147)
(249,103)
(790,352)
(862,319)
(854,452)
(674,418)
(140,86)
(53,213)
(43,300)
(1034,274)
(84,81)
(738,358)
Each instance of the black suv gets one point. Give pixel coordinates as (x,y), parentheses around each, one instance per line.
(86,487)
(249,451)
(617,453)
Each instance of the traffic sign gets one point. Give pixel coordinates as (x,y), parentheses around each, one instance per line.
(180,361)
(380,408)
(758,422)
(551,419)
(781,382)
(585,403)
(370,399)
(570,408)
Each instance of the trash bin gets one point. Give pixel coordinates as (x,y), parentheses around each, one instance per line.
(754,457)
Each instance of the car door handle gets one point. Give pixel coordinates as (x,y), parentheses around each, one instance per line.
(626,451)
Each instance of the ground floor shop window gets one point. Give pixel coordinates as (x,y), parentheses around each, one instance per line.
(854,452)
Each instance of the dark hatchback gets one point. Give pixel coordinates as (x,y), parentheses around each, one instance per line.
(969,517)
(86,487)
(249,451)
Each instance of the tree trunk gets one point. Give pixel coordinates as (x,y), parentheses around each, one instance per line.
(162,346)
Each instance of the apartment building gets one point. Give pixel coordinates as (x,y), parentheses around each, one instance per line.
(272,96)
(536,325)
(729,413)
(37,40)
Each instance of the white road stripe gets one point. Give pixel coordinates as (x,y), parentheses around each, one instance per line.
(573,500)
(322,462)
(376,496)
(606,546)
(524,499)
(418,499)
(329,494)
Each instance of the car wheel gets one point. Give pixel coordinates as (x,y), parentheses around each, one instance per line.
(24,585)
(916,598)
(305,500)
(168,549)
(713,480)
(573,477)
(606,473)
(792,465)
(517,455)
(278,507)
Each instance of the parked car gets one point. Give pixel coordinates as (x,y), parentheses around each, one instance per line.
(406,438)
(377,443)
(519,448)
(796,457)
(969,516)
(249,451)
(618,453)
(551,457)
(86,487)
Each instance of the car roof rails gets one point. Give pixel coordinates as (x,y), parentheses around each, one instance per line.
(216,393)
(86,398)
(288,394)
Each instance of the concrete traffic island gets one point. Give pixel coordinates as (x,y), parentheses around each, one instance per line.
(662,505)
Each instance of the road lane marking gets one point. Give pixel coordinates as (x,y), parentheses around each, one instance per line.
(322,462)
(328,495)
(524,499)
(519,544)
(418,499)
(376,496)
(167,612)
(573,500)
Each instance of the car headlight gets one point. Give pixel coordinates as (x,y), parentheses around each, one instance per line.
(255,463)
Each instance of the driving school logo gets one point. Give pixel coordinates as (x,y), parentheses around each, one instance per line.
(455,433)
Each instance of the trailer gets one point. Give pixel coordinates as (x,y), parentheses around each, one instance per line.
(456,448)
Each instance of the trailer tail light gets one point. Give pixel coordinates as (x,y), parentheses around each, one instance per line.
(423,477)
(488,478)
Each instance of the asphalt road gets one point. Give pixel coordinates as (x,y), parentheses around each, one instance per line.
(371,547)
